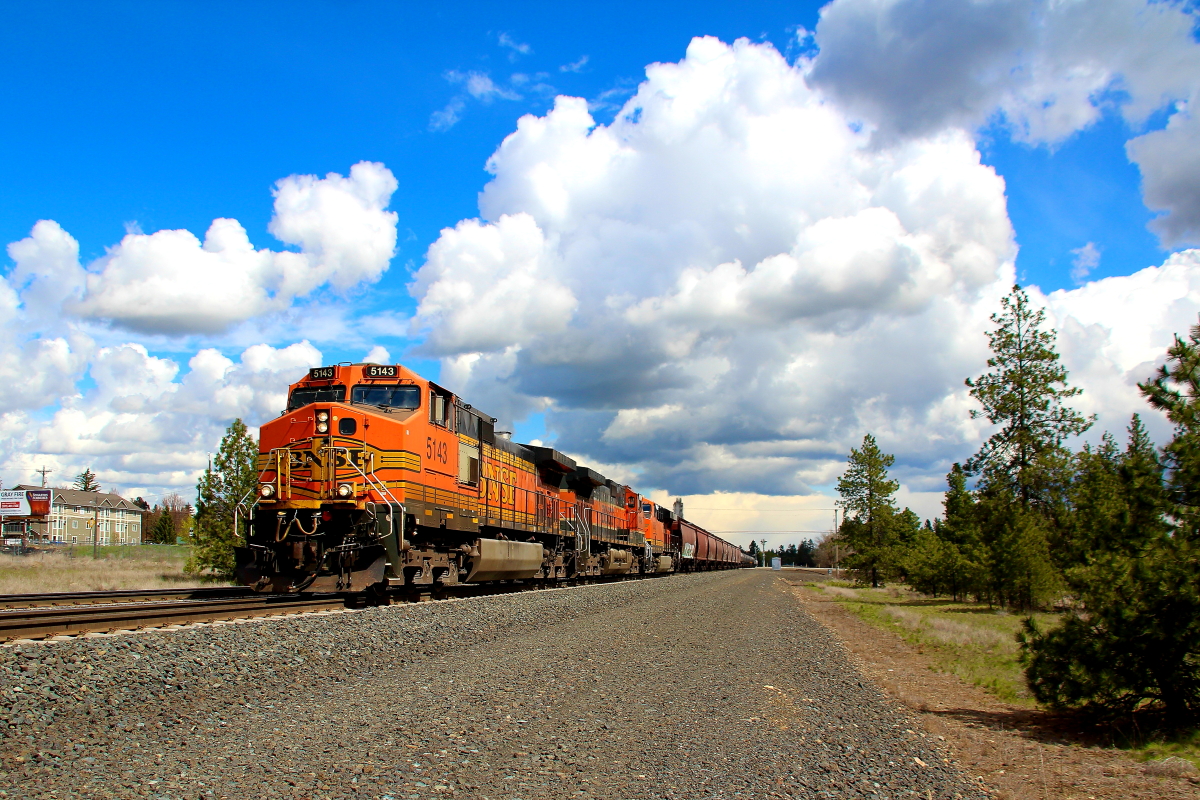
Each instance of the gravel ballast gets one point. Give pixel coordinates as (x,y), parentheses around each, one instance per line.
(715,685)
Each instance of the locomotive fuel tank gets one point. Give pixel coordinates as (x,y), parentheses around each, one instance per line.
(496,560)
(616,562)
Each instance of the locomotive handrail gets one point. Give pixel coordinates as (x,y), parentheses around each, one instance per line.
(377,484)
(372,482)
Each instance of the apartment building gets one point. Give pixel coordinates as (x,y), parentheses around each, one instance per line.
(76,516)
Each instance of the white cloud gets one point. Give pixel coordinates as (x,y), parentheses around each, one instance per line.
(142,426)
(487,287)
(481,86)
(516,48)
(575,66)
(170,282)
(724,288)
(378,355)
(1087,258)
(477,85)
(142,420)
(707,280)
(1169,160)
(446,118)
(1047,69)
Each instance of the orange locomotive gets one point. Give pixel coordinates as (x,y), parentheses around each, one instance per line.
(375,478)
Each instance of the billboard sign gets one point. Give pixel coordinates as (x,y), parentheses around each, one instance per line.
(25,503)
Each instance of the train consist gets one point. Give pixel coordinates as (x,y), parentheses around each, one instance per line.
(376,479)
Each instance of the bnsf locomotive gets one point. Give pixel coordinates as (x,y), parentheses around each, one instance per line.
(376,479)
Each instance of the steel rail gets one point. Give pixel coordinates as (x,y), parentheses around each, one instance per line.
(67,620)
(125,613)
(121,596)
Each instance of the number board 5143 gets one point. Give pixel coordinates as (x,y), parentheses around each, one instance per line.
(379,371)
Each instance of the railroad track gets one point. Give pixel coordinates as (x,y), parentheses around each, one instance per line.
(39,616)
(121,596)
(44,622)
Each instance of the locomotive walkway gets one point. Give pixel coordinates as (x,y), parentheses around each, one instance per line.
(707,686)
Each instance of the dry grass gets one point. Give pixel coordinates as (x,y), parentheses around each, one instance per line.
(841,591)
(949,632)
(972,641)
(75,570)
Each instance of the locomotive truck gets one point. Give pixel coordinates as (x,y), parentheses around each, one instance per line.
(375,479)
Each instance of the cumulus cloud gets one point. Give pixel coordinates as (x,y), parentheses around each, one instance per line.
(702,286)
(1044,69)
(169,282)
(378,355)
(1169,160)
(729,284)
(75,395)
(146,423)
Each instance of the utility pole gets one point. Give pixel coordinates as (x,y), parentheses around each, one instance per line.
(763,551)
(44,473)
(95,531)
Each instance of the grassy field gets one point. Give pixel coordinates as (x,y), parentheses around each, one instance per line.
(972,641)
(73,569)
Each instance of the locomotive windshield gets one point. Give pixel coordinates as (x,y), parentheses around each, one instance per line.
(405,396)
(316,394)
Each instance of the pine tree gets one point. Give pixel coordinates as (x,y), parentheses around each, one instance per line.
(229,479)
(86,481)
(1023,393)
(873,528)
(163,531)
(1133,642)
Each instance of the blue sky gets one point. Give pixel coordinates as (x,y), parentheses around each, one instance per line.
(142,118)
(170,115)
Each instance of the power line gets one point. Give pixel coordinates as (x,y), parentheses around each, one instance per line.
(772,533)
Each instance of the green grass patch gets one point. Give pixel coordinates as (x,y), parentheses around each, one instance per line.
(979,645)
(165,553)
(970,640)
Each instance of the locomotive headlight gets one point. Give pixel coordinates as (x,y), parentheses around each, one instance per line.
(266,490)
(322,427)
(322,416)
(345,490)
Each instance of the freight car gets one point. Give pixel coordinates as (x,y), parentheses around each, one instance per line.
(375,479)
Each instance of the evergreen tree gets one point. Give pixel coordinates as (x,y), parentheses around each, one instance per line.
(1023,393)
(86,481)
(163,530)
(873,528)
(1016,566)
(964,557)
(230,478)
(1134,639)
(806,554)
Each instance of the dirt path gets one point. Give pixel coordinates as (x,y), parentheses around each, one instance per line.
(1015,751)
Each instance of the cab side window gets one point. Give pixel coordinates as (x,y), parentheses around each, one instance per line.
(439,405)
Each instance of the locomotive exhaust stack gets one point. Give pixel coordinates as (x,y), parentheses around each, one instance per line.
(376,479)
